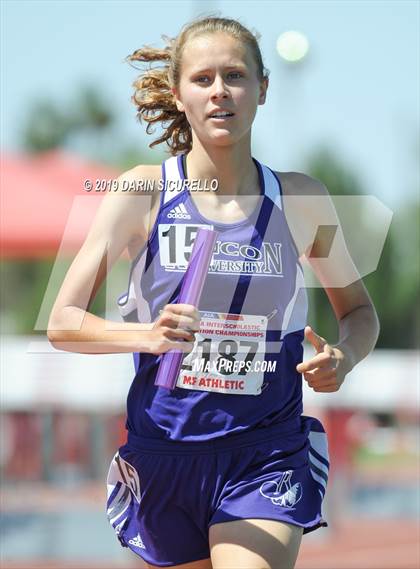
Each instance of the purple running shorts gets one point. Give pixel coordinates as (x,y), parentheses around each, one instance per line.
(164,495)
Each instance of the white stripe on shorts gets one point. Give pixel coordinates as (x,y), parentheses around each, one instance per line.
(319,442)
(318,463)
(319,479)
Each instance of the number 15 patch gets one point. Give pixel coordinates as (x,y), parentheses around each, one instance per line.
(176,242)
(228,355)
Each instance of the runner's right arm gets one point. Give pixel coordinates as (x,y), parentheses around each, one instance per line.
(121,217)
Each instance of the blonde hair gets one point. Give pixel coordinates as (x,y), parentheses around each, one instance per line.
(153,96)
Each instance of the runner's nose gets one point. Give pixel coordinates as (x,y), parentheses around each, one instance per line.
(219,89)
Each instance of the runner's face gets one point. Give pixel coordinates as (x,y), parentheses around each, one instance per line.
(219,72)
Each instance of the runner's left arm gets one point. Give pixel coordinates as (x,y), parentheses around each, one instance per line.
(331,262)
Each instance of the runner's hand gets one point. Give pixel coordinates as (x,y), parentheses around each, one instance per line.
(326,371)
(175,329)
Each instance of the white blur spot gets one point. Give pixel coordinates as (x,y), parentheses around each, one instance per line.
(292,46)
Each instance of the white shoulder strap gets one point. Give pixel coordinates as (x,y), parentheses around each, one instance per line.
(171,172)
(272,186)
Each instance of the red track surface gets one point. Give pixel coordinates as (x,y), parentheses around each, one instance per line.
(364,544)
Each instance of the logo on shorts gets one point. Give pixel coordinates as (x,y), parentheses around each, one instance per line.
(282,493)
(179,212)
(137,542)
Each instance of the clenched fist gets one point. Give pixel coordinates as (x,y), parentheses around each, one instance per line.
(175,329)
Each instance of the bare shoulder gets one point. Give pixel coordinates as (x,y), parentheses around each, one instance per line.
(140,186)
(146,171)
(297,183)
(302,211)
(136,180)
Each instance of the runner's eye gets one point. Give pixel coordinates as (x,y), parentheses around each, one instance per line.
(206,78)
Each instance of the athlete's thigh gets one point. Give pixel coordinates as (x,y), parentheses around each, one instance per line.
(202,564)
(254,544)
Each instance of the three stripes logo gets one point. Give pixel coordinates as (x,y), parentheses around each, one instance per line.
(137,542)
(179,212)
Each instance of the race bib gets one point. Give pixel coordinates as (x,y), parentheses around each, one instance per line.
(228,355)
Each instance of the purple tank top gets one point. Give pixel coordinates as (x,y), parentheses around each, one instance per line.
(241,374)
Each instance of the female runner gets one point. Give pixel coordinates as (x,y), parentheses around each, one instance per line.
(224,471)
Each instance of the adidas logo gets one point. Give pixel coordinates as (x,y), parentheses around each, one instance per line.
(179,212)
(137,542)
